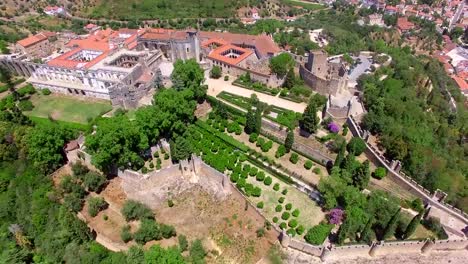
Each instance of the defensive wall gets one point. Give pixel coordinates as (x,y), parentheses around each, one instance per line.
(375,249)
(393,171)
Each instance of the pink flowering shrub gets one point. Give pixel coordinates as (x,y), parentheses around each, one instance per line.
(333,127)
(335,216)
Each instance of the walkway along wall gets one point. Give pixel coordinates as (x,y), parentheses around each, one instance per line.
(375,249)
(405,181)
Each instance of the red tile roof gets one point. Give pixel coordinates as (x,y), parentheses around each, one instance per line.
(403,24)
(31,40)
(217,54)
(461,83)
(263,43)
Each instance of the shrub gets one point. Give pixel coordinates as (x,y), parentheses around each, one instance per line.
(260,205)
(95,205)
(260,232)
(275,219)
(288,206)
(25,105)
(284,192)
(73,202)
(244,174)
(226,78)
(170,203)
(253,171)
(294,158)
(317,234)
(46,91)
(79,169)
(434,225)
(295,212)
(125,234)
(268,181)
(93,181)
(336,216)
(151,165)
(292,223)
(256,192)
(234,177)
(333,127)
(276,187)
(280,151)
(144,170)
(166,156)
(28,89)
(148,231)
(267,146)
(183,243)
(283,225)
(291,232)
(260,176)
(300,230)
(240,183)
(215,72)
(197,252)
(260,142)
(281,200)
(316,170)
(67,183)
(133,210)
(253,137)
(417,205)
(285,215)
(278,208)
(356,146)
(308,165)
(167,231)
(380,173)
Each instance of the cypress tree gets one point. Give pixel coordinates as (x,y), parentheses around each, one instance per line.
(362,176)
(290,79)
(258,120)
(341,154)
(310,120)
(250,122)
(390,229)
(366,234)
(289,141)
(412,226)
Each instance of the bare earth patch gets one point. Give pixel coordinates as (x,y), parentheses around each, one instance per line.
(224,226)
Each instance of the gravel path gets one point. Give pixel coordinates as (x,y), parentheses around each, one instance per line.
(216,86)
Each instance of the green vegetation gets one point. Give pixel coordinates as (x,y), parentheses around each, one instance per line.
(162,9)
(215,72)
(317,234)
(134,210)
(281,64)
(67,108)
(95,205)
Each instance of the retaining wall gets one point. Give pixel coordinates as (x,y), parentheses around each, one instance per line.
(405,181)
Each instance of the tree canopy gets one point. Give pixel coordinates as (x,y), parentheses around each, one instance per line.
(281,64)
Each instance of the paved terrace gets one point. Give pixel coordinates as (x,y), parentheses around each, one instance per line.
(216,86)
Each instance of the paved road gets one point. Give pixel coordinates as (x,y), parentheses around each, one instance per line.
(216,86)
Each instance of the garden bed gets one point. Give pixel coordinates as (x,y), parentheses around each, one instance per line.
(285,117)
(256,86)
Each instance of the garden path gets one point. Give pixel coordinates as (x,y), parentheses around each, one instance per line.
(216,86)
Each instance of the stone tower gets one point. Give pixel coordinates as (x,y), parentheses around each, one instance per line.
(194,43)
(317,63)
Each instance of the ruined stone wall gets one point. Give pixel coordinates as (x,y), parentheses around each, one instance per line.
(157,187)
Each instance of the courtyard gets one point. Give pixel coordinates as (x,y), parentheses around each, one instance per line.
(66,108)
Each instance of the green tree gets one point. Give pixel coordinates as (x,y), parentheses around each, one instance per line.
(93,181)
(134,210)
(181,149)
(356,146)
(250,124)
(317,234)
(310,120)
(215,72)
(290,79)
(288,143)
(341,155)
(183,243)
(391,226)
(281,63)
(156,254)
(96,204)
(45,146)
(117,142)
(197,252)
(367,233)
(149,230)
(362,176)
(412,226)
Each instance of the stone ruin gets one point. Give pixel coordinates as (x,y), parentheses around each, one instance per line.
(155,188)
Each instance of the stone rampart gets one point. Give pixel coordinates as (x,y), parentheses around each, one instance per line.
(403,180)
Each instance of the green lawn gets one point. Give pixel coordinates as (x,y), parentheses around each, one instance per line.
(69,109)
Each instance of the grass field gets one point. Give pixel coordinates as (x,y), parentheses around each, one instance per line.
(69,109)
(304,4)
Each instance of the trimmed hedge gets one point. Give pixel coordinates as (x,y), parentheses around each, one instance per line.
(278,208)
(260,205)
(294,158)
(268,181)
(281,200)
(317,234)
(276,187)
(288,206)
(285,215)
(296,212)
(308,164)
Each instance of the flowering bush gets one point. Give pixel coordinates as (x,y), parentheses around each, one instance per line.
(336,216)
(333,127)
